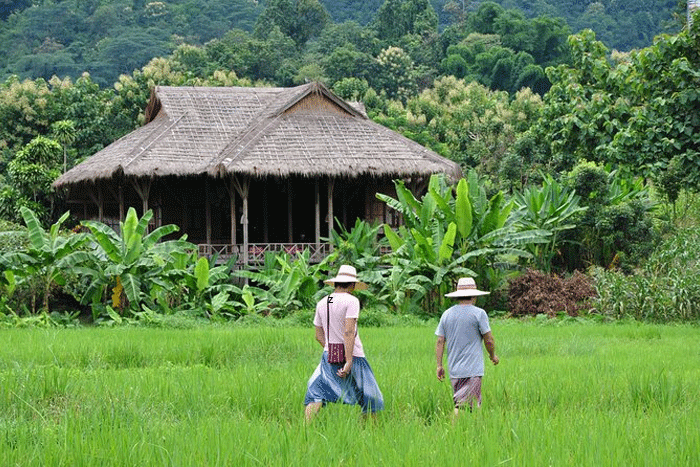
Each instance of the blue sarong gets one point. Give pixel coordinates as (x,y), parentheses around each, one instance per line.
(360,387)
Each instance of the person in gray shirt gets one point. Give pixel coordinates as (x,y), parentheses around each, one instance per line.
(463,327)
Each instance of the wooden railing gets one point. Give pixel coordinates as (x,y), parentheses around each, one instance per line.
(256,251)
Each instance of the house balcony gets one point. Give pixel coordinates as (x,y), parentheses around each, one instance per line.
(256,251)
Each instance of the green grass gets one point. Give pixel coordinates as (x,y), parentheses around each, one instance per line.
(565,394)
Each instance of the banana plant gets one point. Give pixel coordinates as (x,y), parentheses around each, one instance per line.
(212,287)
(134,260)
(550,207)
(287,284)
(458,229)
(48,257)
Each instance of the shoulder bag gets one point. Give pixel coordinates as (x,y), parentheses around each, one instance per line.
(336,352)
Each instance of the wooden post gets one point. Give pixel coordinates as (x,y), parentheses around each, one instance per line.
(100,204)
(243,188)
(121,202)
(96,199)
(143,192)
(244,221)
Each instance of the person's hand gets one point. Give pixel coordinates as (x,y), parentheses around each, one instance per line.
(494,359)
(440,373)
(345,371)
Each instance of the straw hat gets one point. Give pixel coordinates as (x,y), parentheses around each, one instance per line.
(347,274)
(466,287)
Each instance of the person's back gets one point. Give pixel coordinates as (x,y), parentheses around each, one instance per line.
(463,327)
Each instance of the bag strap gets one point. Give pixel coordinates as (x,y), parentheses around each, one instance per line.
(328,321)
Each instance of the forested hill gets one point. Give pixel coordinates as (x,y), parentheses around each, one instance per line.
(620,24)
(42,38)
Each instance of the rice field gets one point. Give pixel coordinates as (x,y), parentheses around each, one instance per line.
(564,394)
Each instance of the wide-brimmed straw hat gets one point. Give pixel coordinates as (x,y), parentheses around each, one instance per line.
(466,287)
(347,274)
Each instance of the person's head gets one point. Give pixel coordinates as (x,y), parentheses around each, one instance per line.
(346,279)
(466,291)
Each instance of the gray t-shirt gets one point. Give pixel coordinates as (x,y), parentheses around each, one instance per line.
(463,326)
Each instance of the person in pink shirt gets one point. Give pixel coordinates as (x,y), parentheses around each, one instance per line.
(335,321)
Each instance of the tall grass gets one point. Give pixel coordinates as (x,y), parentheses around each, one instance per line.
(665,288)
(565,393)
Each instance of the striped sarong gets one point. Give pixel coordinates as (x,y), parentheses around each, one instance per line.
(467,391)
(360,387)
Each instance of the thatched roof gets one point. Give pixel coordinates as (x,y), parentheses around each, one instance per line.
(304,130)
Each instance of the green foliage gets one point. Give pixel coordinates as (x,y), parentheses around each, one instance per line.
(298,19)
(634,112)
(132,264)
(283,285)
(395,73)
(622,24)
(465,122)
(616,229)
(107,39)
(551,207)
(664,288)
(46,260)
(448,236)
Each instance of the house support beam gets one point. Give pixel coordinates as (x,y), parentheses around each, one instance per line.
(121,203)
(242,186)
(99,202)
(143,189)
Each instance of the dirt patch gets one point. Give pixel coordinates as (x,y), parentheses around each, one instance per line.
(536,292)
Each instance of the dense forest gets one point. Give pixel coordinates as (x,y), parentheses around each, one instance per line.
(109,38)
(577,157)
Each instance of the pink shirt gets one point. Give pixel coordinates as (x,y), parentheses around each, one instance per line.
(342,305)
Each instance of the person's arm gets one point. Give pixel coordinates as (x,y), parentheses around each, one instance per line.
(490,345)
(439,352)
(349,338)
(320,336)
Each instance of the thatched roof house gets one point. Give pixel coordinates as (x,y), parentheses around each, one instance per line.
(275,148)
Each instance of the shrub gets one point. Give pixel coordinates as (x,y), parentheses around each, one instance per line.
(664,289)
(536,292)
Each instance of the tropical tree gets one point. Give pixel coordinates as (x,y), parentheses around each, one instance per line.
(31,173)
(284,284)
(48,259)
(133,264)
(552,207)
(297,19)
(454,231)
(64,132)
(395,74)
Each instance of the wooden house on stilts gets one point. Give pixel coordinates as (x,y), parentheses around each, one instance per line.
(248,170)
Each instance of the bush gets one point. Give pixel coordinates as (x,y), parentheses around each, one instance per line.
(13,237)
(538,293)
(664,289)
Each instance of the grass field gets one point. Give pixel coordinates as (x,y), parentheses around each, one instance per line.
(564,394)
